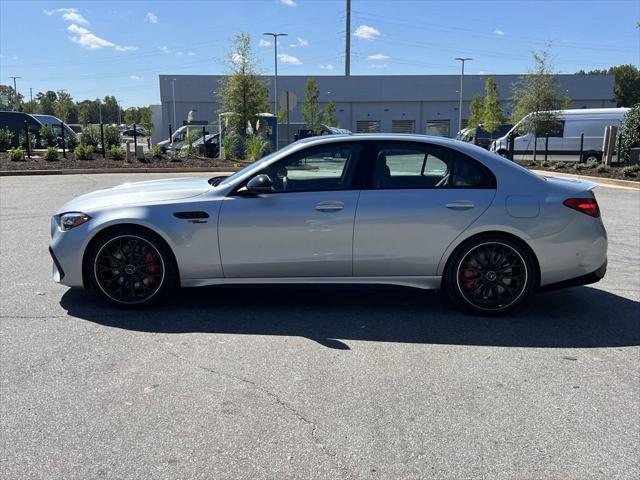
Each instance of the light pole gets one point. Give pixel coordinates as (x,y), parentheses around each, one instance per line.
(461,79)
(173,96)
(275,57)
(15,93)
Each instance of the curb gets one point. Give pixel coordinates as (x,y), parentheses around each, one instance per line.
(81,171)
(605,182)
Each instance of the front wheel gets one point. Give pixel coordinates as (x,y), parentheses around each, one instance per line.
(489,275)
(131,268)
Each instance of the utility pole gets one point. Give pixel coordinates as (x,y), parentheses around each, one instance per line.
(275,59)
(461,80)
(31,99)
(15,93)
(347,53)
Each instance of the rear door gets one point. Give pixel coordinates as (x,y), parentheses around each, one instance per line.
(421,197)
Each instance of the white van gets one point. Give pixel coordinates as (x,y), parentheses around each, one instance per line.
(564,142)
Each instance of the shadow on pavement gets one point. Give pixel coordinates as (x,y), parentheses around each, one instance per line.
(582,317)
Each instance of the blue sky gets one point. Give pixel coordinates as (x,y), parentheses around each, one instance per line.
(95,48)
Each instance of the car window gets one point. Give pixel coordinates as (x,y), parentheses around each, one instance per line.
(328,167)
(426,166)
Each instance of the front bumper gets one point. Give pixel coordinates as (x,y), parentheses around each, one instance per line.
(66,250)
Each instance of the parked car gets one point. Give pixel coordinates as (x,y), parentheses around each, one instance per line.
(564,140)
(15,122)
(481,137)
(140,132)
(209,145)
(408,210)
(179,136)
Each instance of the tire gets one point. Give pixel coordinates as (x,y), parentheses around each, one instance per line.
(489,275)
(131,268)
(591,157)
(502,153)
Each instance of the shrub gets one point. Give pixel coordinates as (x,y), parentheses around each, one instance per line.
(591,165)
(191,138)
(90,136)
(631,171)
(256,147)
(71,142)
(602,168)
(156,152)
(16,154)
(580,166)
(22,139)
(47,135)
(630,132)
(558,165)
(545,164)
(51,154)
(232,144)
(116,152)
(112,136)
(83,152)
(5,139)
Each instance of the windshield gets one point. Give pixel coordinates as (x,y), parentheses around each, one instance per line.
(256,164)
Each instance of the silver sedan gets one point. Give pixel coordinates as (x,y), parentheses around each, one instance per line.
(409,210)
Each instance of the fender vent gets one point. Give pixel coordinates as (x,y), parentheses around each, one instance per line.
(190,215)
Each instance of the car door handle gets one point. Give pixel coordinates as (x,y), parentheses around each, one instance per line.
(329,206)
(460,205)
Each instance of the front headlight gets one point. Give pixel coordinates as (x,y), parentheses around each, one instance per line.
(72,219)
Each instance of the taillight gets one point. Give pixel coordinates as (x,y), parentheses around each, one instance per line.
(588,206)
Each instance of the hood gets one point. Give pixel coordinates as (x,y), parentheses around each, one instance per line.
(139,193)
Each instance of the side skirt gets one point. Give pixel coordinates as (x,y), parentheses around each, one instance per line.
(425,283)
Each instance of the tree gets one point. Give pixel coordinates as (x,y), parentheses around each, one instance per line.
(476,111)
(110,110)
(242,91)
(46,102)
(330,114)
(64,106)
(144,118)
(8,99)
(630,132)
(312,115)
(492,116)
(536,97)
(88,112)
(626,84)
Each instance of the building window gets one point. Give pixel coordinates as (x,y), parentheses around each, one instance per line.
(438,128)
(368,126)
(403,126)
(465,123)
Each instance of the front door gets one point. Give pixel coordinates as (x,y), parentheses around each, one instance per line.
(304,228)
(421,198)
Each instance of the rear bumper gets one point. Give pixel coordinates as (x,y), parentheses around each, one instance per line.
(587,279)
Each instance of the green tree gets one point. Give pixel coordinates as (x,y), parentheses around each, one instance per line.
(243,91)
(536,97)
(312,115)
(46,102)
(110,109)
(330,114)
(476,111)
(144,118)
(64,107)
(626,84)
(131,116)
(88,112)
(492,116)
(8,98)
(630,132)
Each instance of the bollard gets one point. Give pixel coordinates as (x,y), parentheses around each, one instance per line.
(26,136)
(128,155)
(170,135)
(64,147)
(512,146)
(102,140)
(535,146)
(581,159)
(149,143)
(135,139)
(618,147)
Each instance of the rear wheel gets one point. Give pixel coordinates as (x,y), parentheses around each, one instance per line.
(489,275)
(591,157)
(131,268)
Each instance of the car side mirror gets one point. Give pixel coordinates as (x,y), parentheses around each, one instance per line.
(260,184)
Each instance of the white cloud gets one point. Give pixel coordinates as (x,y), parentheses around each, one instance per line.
(135,77)
(328,66)
(236,58)
(86,39)
(378,56)
(289,59)
(366,32)
(300,42)
(378,65)
(68,14)
(179,53)
(152,17)
(264,43)
(498,32)
(191,54)
(165,49)
(288,3)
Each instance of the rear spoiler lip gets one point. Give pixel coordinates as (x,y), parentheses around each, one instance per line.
(586,184)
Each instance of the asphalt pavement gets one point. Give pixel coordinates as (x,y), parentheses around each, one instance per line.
(327,383)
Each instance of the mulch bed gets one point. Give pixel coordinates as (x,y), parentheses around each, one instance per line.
(39,163)
(614,171)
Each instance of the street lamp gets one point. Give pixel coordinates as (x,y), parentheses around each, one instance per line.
(461,79)
(275,80)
